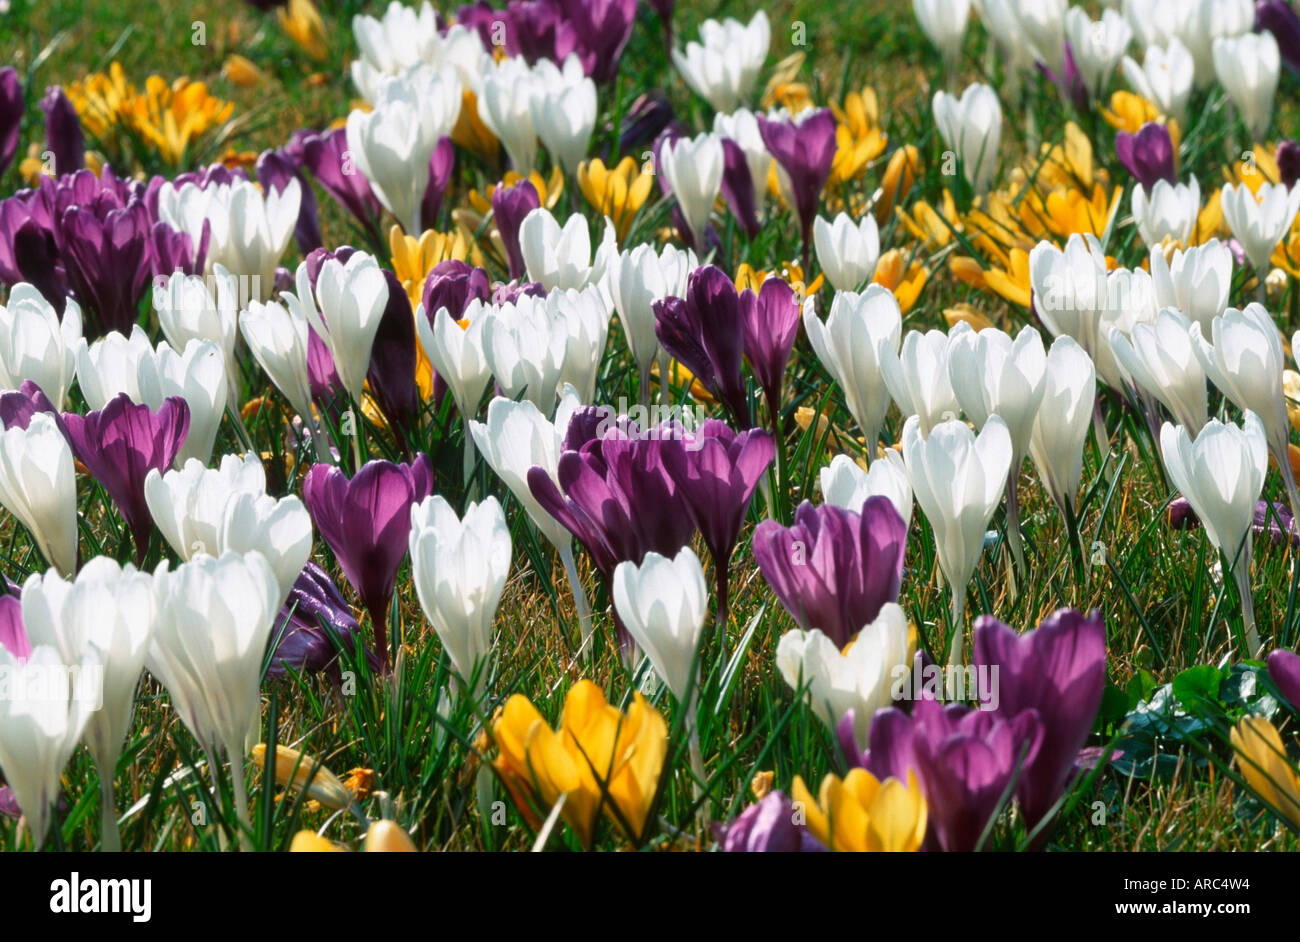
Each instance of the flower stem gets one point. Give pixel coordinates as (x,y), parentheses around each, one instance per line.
(1014,540)
(958,639)
(110,838)
(579,594)
(241,797)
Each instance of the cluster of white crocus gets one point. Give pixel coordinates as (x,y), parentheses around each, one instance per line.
(663,603)
(393,142)
(722,68)
(1196,24)
(37,345)
(248,231)
(392,44)
(520,103)
(211,511)
(116,364)
(525,348)
(560,256)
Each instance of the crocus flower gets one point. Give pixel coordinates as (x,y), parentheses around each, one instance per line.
(1148,155)
(1288,163)
(847,251)
(39,734)
(11,115)
(171,251)
(958,479)
(1164,78)
(366,522)
(1248,67)
(1162,360)
(1272,520)
(603,28)
(561,257)
(767,826)
(110,608)
(331,163)
(705,333)
(971,126)
(862,813)
(649,115)
(442,163)
(944,24)
(525,348)
(662,603)
(564,109)
(1221,473)
(846,485)
(693,169)
(36,345)
(599,759)
(1070,292)
(1284,670)
(716,472)
(120,444)
(274,171)
(1059,670)
(859,332)
(834,568)
(215,618)
(38,486)
(1197,281)
(1260,220)
(585,315)
(505,107)
(1279,18)
(738,187)
(857,678)
(723,67)
(453,341)
(803,146)
(105,251)
(301,642)
(188,310)
(740,127)
(391,373)
(917,376)
(278,340)
(1261,758)
(1167,211)
(1061,426)
(963,758)
(510,205)
(19,405)
(637,279)
(770,322)
(211,511)
(1096,46)
(63,137)
(459,566)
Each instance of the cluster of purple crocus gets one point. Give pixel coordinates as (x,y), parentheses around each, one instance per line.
(594,30)
(968,761)
(625,491)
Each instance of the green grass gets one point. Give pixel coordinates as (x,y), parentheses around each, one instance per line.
(1166,610)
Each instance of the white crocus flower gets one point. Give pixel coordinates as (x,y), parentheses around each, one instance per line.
(693,167)
(38,485)
(525,348)
(741,127)
(1248,67)
(564,110)
(1260,220)
(36,345)
(635,280)
(917,377)
(663,603)
(1164,78)
(723,67)
(845,484)
(1097,45)
(189,310)
(558,257)
(1161,359)
(1168,212)
(505,97)
(971,126)
(1197,280)
(846,250)
(352,299)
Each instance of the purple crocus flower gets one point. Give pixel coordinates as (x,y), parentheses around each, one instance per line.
(1288,162)
(716,470)
(1069,83)
(738,188)
(453,284)
(32,256)
(441,164)
(646,118)
(12,105)
(275,168)
(1272,520)
(63,136)
(107,259)
(13,636)
(705,333)
(964,760)
(804,147)
(665,10)
(1148,155)
(834,569)
(1280,19)
(509,292)
(326,156)
(607,485)
(366,521)
(767,826)
(392,365)
(122,443)
(1284,669)
(18,406)
(172,250)
(1058,669)
(322,374)
(771,323)
(510,204)
(540,30)
(302,643)
(603,28)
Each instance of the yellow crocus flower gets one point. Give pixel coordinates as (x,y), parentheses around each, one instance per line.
(1013,282)
(904,280)
(309,842)
(471,133)
(595,743)
(618,193)
(1262,760)
(861,813)
(413,259)
(386,836)
(242,72)
(858,137)
(301,773)
(302,23)
(900,174)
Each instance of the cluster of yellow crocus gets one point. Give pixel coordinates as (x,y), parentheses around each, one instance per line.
(598,759)
(862,813)
(618,192)
(1262,760)
(165,118)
